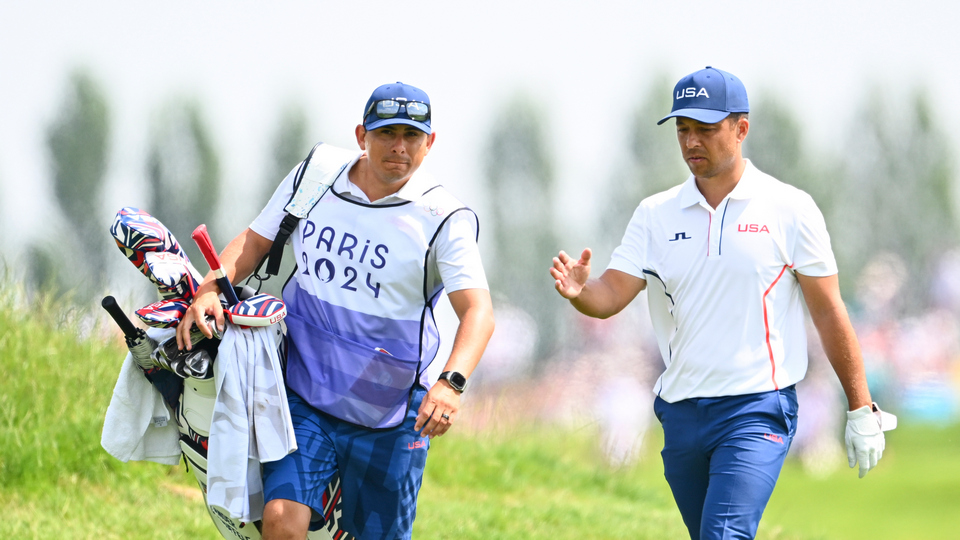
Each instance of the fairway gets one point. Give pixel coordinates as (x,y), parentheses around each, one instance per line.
(913,494)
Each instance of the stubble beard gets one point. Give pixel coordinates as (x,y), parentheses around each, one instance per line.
(710,169)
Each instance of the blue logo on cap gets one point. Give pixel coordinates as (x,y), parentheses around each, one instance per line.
(708,96)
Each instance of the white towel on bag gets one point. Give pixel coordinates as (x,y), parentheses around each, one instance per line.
(251,420)
(138,425)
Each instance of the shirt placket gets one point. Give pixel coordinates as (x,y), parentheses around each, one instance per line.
(715,228)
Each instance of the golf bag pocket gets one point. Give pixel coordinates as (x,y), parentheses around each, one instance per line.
(360,384)
(199,397)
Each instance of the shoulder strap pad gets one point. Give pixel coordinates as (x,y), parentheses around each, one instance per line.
(322,166)
(315,176)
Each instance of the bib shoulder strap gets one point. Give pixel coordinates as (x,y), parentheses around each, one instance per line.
(314,178)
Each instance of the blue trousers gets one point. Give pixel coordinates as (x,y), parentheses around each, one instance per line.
(380,470)
(722,457)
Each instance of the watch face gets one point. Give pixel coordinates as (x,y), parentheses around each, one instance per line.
(458,380)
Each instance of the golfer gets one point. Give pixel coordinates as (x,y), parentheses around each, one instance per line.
(729,257)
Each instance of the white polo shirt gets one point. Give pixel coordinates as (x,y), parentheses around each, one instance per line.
(726,306)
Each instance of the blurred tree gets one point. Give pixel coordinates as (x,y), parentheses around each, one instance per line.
(654,164)
(45,272)
(897,194)
(77,142)
(290,146)
(776,146)
(521,185)
(183,172)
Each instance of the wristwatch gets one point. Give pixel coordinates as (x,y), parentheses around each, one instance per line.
(456,380)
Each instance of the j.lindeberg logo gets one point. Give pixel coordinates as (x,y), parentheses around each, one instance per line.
(692,92)
(680,236)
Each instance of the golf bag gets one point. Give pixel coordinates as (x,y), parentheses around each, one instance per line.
(185,379)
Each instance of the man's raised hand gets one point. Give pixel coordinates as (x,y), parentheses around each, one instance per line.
(571,275)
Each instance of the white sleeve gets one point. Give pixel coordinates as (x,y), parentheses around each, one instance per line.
(268,222)
(631,255)
(812,254)
(458,255)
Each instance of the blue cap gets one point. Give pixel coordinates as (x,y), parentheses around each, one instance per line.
(399,92)
(708,96)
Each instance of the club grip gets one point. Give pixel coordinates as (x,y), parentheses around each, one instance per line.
(202,238)
(109,303)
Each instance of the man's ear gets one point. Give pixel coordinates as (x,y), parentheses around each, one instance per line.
(743,127)
(361,133)
(430,138)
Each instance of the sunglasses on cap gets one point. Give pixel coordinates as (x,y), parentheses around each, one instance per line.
(389,108)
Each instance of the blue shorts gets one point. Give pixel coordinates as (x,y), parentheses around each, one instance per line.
(722,457)
(380,470)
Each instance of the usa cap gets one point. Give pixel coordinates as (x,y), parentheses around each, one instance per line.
(400,92)
(708,96)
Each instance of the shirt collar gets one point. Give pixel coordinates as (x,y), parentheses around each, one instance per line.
(415,187)
(746,188)
(749,182)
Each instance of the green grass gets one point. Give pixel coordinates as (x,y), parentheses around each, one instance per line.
(529,482)
(913,494)
(56,387)
(143,501)
(542,483)
(551,484)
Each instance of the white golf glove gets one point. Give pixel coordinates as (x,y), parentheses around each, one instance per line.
(864,436)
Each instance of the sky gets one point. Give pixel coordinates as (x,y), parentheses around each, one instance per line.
(587,64)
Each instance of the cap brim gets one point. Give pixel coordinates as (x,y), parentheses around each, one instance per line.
(707,116)
(379,123)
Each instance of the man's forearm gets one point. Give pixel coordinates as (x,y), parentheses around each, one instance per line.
(822,295)
(598,299)
(843,350)
(474,309)
(242,255)
(471,339)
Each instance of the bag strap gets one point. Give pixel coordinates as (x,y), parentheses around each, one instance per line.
(309,186)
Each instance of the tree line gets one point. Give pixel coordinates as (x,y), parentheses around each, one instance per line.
(888,191)
(183,176)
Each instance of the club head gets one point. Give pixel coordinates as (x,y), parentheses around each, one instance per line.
(195,363)
(259,310)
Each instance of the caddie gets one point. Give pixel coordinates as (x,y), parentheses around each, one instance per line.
(373,257)
(729,258)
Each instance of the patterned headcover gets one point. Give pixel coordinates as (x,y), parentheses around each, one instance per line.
(259,310)
(153,249)
(163,314)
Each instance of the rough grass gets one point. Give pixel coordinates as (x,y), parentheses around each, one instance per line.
(55,390)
